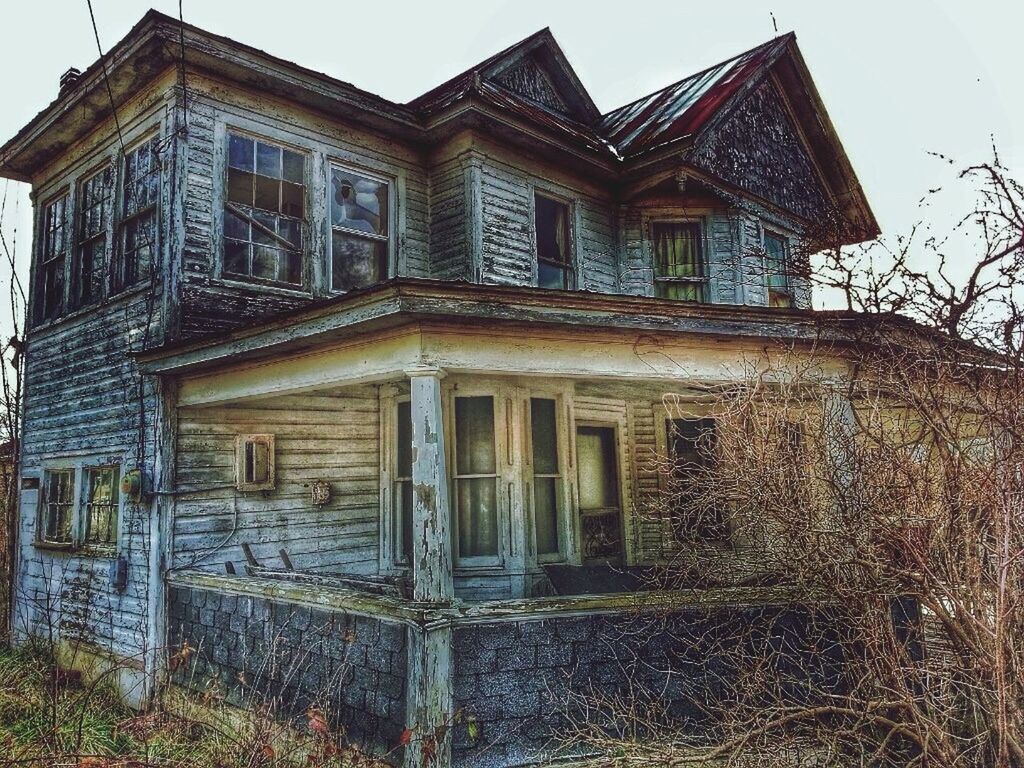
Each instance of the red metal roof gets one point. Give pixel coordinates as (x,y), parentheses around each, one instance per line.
(682,108)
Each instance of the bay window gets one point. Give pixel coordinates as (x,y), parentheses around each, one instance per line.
(264,211)
(359,245)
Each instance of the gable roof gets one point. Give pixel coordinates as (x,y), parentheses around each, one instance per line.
(683,108)
(540,49)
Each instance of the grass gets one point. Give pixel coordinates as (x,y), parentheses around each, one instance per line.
(50,718)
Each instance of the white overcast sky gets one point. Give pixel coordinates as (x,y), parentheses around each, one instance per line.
(900,78)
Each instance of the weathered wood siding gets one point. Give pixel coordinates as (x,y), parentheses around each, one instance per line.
(329,436)
(212,304)
(450,203)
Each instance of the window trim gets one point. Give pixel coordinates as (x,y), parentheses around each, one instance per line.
(703,281)
(572,266)
(79,469)
(222,202)
(502,428)
(787,261)
(241,441)
(392,251)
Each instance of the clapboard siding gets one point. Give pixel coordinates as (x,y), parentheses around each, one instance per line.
(333,438)
(449,247)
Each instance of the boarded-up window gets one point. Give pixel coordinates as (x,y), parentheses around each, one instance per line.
(693,504)
(57,506)
(140,195)
(554,249)
(263,215)
(359,230)
(678,252)
(777,265)
(89,265)
(254,458)
(403,483)
(546,475)
(476,478)
(51,260)
(102,487)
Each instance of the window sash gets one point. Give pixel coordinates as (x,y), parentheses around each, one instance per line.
(371,264)
(545,459)
(553,242)
(677,254)
(475,480)
(57,507)
(101,516)
(52,259)
(777,266)
(402,498)
(140,198)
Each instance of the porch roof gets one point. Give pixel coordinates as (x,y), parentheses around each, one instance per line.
(408,300)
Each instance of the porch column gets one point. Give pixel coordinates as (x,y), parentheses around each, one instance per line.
(430,705)
(431,510)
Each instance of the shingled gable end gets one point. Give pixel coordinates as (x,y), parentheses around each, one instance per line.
(354,397)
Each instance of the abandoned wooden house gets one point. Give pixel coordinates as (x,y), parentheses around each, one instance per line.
(354,396)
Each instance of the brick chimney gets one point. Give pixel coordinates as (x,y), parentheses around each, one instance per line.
(68,80)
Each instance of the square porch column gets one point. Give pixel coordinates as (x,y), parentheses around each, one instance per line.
(430,705)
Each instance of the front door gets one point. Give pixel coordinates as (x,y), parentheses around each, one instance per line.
(600,501)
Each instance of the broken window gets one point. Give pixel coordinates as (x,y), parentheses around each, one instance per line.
(777,265)
(554,251)
(546,475)
(359,230)
(403,483)
(140,194)
(51,260)
(264,212)
(694,509)
(57,506)
(599,505)
(476,478)
(90,261)
(254,462)
(102,487)
(678,252)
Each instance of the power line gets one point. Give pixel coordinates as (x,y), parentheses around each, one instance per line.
(106,77)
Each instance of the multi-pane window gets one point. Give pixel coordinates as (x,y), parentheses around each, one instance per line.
(90,260)
(57,506)
(359,230)
(263,215)
(102,489)
(140,194)
(403,483)
(51,259)
(476,478)
(677,249)
(554,249)
(691,448)
(546,475)
(777,266)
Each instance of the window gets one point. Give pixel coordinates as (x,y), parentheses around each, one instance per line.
(89,264)
(403,483)
(554,249)
(359,230)
(691,447)
(546,475)
(263,215)
(600,507)
(140,192)
(777,266)
(57,506)
(476,478)
(51,260)
(102,489)
(678,260)
(254,462)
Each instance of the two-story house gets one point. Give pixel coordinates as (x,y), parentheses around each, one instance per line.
(357,399)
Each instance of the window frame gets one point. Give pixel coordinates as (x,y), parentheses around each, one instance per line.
(570,266)
(563,497)
(702,281)
(241,441)
(117,283)
(502,428)
(79,470)
(108,211)
(787,262)
(223,203)
(389,239)
(85,504)
(41,313)
(396,559)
